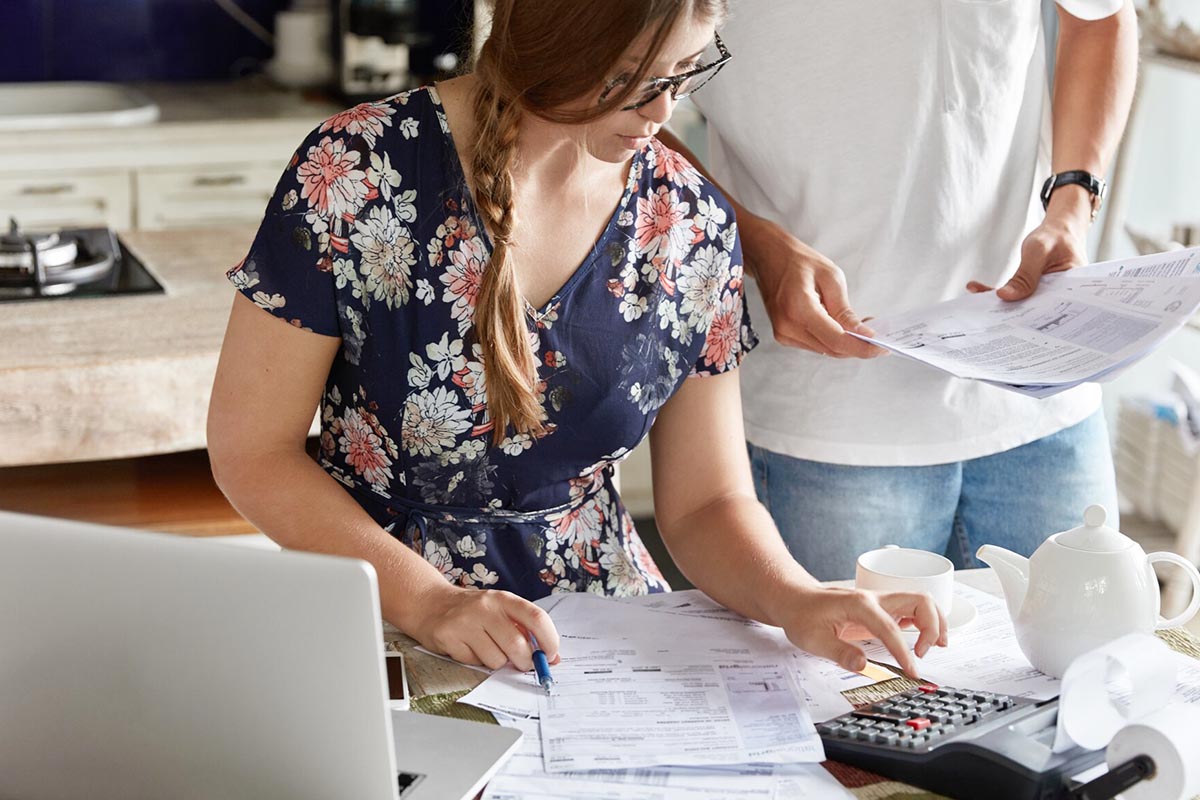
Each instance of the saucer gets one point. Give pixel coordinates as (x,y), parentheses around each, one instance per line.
(962,612)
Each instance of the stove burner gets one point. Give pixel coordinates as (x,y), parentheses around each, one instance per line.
(81,262)
(48,263)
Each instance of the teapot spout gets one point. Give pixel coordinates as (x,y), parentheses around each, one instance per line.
(1013,571)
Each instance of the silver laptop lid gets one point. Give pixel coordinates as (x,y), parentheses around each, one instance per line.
(137,665)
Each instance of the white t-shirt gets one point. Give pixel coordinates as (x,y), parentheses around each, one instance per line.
(906,141)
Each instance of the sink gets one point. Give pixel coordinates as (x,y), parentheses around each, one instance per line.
(79,104)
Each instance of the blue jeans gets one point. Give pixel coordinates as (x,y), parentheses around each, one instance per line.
(831,513)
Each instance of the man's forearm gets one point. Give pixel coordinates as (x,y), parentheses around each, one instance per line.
(1093,89)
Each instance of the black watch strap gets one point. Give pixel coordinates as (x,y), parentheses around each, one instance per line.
(1096,187)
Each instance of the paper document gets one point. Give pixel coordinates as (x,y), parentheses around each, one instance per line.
(675,715)
(676,627)
(524,776)
(1082,325)
(814,783)
(983,656)
(516,694)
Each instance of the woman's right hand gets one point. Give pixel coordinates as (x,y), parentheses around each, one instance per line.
(484,627)
(826,620)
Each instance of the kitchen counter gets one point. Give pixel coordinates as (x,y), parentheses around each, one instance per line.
(194,126)
(119,376)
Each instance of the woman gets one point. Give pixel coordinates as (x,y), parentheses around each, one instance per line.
(495,286)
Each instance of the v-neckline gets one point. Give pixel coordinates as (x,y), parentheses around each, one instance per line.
(589,260)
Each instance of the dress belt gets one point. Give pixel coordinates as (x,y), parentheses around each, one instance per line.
(414,513)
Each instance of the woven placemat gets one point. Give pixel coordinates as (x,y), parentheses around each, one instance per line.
(447,705)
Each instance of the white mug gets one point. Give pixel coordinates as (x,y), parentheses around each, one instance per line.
(902,569)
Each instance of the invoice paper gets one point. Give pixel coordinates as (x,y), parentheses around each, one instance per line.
(524,775)
(680,627)
(983,656)
(815,783)
(675,715)
(1086,324)
(515,694)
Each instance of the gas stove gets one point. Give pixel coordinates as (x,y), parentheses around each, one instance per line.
(72,262)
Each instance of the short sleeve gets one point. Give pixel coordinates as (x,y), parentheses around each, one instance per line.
(730,335)
(1091,9)
(289,269)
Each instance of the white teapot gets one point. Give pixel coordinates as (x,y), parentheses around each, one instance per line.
(1081,589)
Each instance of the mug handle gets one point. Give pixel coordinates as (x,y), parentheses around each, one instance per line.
(1190,569)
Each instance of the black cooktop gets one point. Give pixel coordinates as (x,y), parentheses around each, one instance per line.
(128,275)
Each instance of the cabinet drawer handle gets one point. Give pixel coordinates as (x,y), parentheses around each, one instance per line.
(218,180)
(49,188)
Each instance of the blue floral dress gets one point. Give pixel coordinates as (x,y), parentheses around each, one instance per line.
(372,237)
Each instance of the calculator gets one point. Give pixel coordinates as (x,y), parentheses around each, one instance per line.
(960,743)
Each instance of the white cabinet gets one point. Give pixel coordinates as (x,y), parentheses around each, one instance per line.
(151,198)
(198,195)
(45,200)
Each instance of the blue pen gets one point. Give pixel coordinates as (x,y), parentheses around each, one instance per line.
(541,666)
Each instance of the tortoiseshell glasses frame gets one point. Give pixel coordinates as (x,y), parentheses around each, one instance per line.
(680,85)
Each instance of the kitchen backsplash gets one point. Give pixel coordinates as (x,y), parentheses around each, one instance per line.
(129,40)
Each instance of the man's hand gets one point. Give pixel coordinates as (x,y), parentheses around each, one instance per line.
(1057,245)
(804,292)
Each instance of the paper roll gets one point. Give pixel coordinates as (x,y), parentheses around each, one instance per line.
(1090,711)
(1171,737)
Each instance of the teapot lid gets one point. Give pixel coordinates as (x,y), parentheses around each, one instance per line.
(1094,535)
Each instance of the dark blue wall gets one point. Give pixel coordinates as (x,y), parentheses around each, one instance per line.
(128,40)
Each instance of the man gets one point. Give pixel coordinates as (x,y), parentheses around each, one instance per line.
(885,156)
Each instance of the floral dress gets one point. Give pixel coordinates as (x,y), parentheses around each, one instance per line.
(372,237)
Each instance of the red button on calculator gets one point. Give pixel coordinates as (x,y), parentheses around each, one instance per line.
(918,724)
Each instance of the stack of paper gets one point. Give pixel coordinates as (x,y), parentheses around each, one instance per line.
(524,776)
(1086,324)
(669,696)
(678,628)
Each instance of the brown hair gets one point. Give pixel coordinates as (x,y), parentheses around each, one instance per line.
(540,56)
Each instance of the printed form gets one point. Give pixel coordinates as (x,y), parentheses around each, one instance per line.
(675,628)
(984,655)
(1086,324)
(524,776)
(678,715)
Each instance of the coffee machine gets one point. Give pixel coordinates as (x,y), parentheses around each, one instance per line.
(382,47)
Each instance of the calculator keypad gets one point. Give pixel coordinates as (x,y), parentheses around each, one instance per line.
(917,718)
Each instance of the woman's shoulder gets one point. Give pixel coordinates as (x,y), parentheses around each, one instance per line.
(668,170)
(394,125)
(404,116)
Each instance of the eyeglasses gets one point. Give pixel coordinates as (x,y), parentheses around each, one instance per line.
(680,85)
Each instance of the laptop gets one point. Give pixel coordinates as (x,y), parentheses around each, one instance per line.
(139,665)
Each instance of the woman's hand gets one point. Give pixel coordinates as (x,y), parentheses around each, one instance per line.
(483,627)
(825,620)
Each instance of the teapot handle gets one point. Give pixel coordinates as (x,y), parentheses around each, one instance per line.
(1190,569)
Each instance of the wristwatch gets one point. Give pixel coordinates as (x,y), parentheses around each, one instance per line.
(1096,187)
